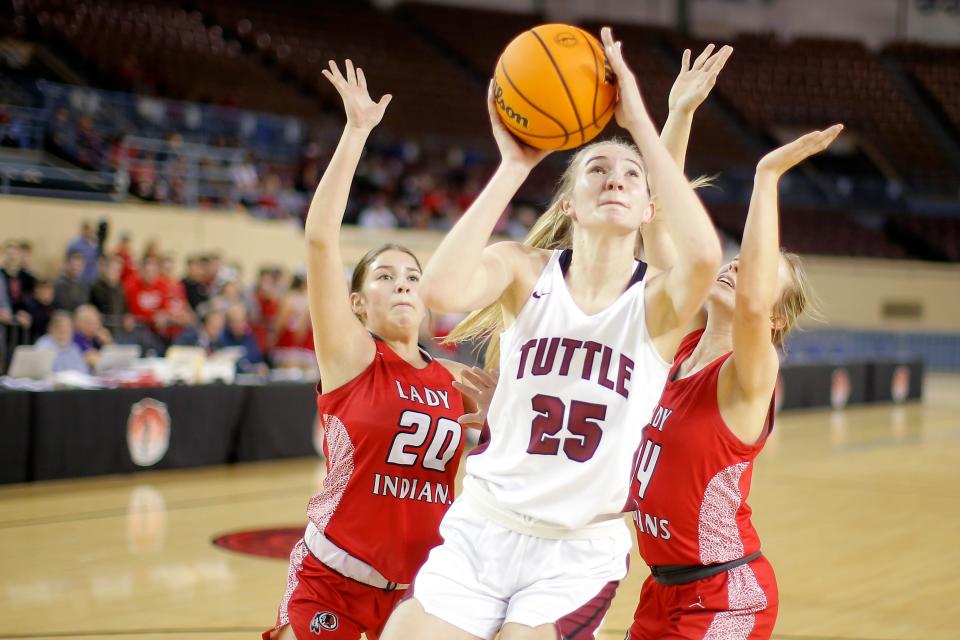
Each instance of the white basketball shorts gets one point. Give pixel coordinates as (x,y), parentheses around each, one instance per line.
(485,575)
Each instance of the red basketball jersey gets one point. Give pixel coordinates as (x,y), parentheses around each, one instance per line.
(692,475)
(393,446)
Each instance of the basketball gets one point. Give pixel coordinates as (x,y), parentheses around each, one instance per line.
(551,88)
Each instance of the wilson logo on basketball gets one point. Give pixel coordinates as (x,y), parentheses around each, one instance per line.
(506,109)
(148,432)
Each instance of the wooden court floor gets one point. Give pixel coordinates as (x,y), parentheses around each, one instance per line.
(859,512)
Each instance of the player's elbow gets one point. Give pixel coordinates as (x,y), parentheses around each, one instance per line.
(705,263)
(434,292)
(752,308)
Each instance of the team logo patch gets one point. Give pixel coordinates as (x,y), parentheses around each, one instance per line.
(323,621)
(148,432)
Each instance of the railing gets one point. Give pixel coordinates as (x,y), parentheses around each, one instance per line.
(273,137)
(193,172)
(27,177)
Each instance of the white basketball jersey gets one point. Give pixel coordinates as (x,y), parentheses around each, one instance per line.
(575,392)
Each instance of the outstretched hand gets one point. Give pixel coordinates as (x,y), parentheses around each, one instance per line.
(362,112)
(511,149)
(480,389)
(694,82)
(630,108)
(779,161)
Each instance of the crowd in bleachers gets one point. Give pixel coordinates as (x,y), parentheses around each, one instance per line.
(105,295)
(265,54)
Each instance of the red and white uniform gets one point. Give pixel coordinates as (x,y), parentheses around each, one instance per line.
(537,536)
(392,445)
(688,494)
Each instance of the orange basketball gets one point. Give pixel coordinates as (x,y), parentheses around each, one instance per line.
(551,89)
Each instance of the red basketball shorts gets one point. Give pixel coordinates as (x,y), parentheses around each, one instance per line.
(739,604)
(321,603)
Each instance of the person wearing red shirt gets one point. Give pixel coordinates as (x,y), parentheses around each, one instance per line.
(389,414)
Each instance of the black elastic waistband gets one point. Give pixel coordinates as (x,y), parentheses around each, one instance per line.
(671,574)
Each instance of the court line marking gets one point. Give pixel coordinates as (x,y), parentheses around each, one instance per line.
(174,506)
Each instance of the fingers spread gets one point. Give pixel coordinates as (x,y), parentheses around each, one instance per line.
(716,62)
(702,58)
(335,71)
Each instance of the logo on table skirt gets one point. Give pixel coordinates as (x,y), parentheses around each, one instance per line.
(323,621)
(900,384)
(148,432)
(839,388)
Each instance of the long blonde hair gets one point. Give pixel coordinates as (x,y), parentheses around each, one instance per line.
(795,300)
(553,230)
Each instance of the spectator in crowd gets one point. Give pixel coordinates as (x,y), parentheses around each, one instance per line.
(20,282)
(230,294)
(239,334)
(294,347)
(175,300)
(90,145)
(107,293)
(26,262)
(12,132)
(219,273)
(41,307)
(245,180)
(89,332)
(264,303)
(196,282)
(377,214)
(86,245)
(70,291)
(132,332)
(61,135)
(146,296)
(59,338)
(124,251)
(207,334)
(6,311)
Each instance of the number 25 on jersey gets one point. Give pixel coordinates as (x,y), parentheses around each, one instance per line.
(583,424)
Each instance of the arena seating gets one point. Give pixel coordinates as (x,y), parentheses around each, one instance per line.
(939,235)
(816,231)
(160,46)
(431,95)
(809,83)
(937,69)
(267,55)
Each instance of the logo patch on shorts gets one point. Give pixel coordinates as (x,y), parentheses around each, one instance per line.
(323,621)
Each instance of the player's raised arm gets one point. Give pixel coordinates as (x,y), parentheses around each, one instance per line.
(689,90)
(698,248)
(464,274)
(754,356)
(343,346)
